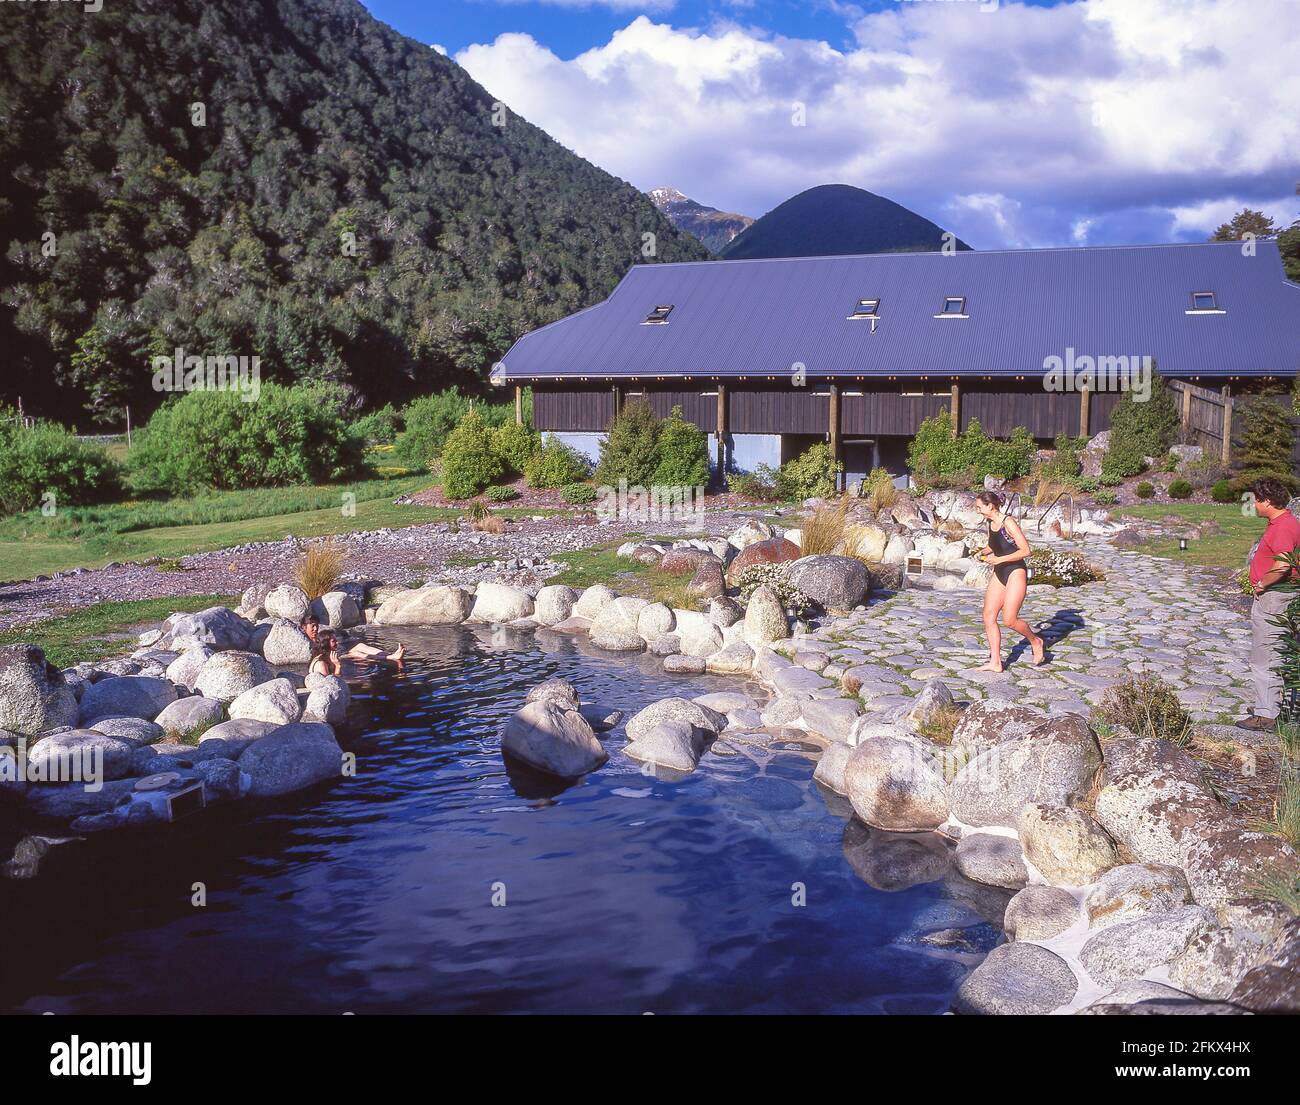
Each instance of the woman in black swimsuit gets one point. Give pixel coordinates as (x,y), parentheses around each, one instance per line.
(1006,553)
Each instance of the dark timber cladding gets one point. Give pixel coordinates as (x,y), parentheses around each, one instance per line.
(866,408)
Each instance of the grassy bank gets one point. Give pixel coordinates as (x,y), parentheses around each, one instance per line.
(628,577)
(102,630)
(1225,546)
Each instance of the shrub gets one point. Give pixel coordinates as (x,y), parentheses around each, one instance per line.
(46,458)
(630,450)
(555,465)
(1266,445)
(1120,461)
(1062,569)
(1105,497)
(379,427)
(1223,492)
(1147,428)
(1064,467)
(878,489)
(319,567)
(1180,489)
(760,484)
(429,421)
(515,446)
(966,458)
(1144,490)
(1087,485)
(1146,706)
(683,453)
(290,435)
(811,475)
(578,493)
(501,493)
(469,462)
(823,532)
(1203,473)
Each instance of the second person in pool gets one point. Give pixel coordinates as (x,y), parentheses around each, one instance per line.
(1007,553)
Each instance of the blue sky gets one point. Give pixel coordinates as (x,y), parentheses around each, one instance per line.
(1013,124)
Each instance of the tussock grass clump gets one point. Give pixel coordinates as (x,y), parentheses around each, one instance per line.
(939,726)
(1285,819)
(1146,706)
(319,568)
(1281,884)
(878,489)
(823,532)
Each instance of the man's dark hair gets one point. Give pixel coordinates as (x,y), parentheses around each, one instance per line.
(1271,491)
(309,619)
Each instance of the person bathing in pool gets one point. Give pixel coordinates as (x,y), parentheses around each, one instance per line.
(1007,553)
(360,651)
(325,655)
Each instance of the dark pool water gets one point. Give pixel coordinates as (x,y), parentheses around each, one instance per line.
(624,894)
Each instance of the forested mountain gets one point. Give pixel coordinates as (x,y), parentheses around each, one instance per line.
(289,179)
(835,219)
(708,225)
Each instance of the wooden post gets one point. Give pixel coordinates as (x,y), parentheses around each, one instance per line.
(956,409)
(834,429)
(1187,409)
(721,433)
(618,399)
(1227,426)
(1085,402)
(519,404)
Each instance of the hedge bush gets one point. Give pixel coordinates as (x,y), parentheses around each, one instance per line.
(1223,492)
(683,453)
(430,420)
(1120,461)
(380,427)
(500,493)
(578,493)
(1144,490)
(469,463)
(937,456)
(46,458)
(630,450)
(213,439)
(1066,466)
(811,475)
(555,465)
(759,484)
(515,446)
(1180,489)
(1144,429)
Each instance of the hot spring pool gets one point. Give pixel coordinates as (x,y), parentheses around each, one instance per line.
(623,893)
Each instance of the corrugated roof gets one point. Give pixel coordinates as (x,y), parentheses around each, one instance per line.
(761,317)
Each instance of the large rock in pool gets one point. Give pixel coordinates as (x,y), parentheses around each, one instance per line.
(991,859)
(232,738)
(218,628)
(694,714)
(229,674)
(554,604)
(79,755)
(615,627)
(498,603)
(1066,846)
(426,606)
(894,785)
(190,717)
(275,701)
(776,550)
(184,670)
(550,737)
(593,600)
(1039,913)
(135,731)
(292,757)
(1135,890)
(285,643)
(1018,979)
(835,583)
(328,701)
(127,696)
(1128,949)
(1054,764)
(34,696)
(674,745)
(338,610)
(983,725)
(765,620)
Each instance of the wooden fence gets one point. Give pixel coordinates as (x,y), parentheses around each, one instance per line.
(1216,420)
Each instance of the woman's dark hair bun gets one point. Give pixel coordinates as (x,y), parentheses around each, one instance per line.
(990,498)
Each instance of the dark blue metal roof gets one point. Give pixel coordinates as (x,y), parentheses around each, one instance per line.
(760,317)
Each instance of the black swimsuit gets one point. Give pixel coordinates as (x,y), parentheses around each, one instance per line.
(1001,544)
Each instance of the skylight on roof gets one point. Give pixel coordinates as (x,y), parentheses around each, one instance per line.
(659,316)
(954,306)
(1205,303)
(866,308)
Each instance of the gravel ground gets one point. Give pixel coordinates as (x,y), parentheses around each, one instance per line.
(411,555)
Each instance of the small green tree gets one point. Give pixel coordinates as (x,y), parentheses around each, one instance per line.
(1146,427)
(811,475)
(683,453)
(556,465)
(469,462)
(515,445)
(1266,445)
(630,450)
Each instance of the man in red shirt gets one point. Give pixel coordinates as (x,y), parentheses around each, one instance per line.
(1267,571)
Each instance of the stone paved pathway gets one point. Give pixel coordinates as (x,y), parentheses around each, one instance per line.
(1148,615)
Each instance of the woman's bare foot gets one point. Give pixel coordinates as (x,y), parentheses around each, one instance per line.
(991,666)
(1038,646)
(399,654)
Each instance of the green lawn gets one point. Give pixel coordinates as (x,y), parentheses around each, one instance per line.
(628,577)
(99,631)
(90,537)
(1226,547)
